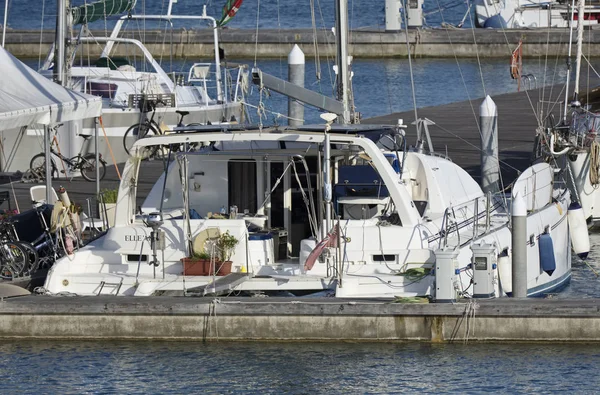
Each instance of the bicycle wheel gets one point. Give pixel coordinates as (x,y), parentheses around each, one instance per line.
(140,131)
(88,167)
(32,257)
(14,260)
(37,165)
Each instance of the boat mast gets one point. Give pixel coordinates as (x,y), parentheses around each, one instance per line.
(343,71)
(569,60)
(60,42)
(580,19)
(5,22)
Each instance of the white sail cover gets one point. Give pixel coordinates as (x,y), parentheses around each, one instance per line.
(28,98)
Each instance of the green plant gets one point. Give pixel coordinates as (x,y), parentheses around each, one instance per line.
(109,195)
(225,245)
(201,255)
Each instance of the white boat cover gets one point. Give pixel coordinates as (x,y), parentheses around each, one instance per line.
(28,98)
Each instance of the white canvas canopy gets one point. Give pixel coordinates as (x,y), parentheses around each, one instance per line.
(28,98)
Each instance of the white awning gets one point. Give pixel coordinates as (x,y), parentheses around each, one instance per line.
(28,98)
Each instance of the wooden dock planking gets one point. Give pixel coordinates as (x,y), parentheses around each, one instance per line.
(456,131)
(79,189)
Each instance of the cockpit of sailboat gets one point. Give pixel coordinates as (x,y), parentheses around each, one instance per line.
(272,179)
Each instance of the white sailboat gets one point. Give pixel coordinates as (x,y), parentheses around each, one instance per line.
(575,138)
(519,14)
(345,208)
(208,92)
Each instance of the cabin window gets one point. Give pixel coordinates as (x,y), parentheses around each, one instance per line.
(137,258)
(389,258)
(104,90)
(242,184)
(277,212)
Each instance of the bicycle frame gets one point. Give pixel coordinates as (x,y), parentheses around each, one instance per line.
(75,162)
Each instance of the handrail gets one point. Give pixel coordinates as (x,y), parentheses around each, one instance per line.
(450,224)
(163,75)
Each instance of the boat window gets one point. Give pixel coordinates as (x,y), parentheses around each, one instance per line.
(277,212)
(384,258)
(104,90)
(241,174)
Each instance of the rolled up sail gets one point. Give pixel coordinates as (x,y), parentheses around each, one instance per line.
(99,10)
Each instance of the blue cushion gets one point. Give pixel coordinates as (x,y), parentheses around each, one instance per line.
(260,236)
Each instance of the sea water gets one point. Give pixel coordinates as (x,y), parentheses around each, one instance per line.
(272,14)
(296,368)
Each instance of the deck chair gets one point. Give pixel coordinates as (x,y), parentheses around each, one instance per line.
(38,194)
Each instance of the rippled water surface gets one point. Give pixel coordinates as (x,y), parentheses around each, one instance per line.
(274,14)
(296,368)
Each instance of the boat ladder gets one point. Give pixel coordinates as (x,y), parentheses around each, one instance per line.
(220,285)
(116,285)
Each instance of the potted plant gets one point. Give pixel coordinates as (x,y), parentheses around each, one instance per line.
(204,264)
(225,245)
(199,264)
(108,202)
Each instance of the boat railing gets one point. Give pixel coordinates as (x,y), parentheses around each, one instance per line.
(204,75)
(529,81)
(475,213)
(584,128)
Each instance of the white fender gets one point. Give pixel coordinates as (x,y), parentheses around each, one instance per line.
(505,271)
(580,240)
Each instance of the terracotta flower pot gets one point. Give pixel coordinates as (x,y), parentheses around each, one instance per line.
(196,267)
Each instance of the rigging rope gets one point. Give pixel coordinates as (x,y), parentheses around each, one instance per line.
(412,79)
(315,40)
(594,163)
(256,43)
(41,34)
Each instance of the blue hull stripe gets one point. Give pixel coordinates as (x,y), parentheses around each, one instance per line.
(550,286)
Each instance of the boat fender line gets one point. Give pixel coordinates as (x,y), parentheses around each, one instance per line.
(594,163)
(546,250)
(562,152)
(578,229)
(505,271)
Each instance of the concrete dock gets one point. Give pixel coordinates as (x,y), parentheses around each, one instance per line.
(298,319)
(364,43)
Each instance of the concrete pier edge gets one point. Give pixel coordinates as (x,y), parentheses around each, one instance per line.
(364,43)
(298,319)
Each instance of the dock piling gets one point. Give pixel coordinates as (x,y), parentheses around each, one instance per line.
(296,66)
(488,121)
(519,246)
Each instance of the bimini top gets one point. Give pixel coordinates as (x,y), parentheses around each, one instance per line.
(225,128)
(372,132)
